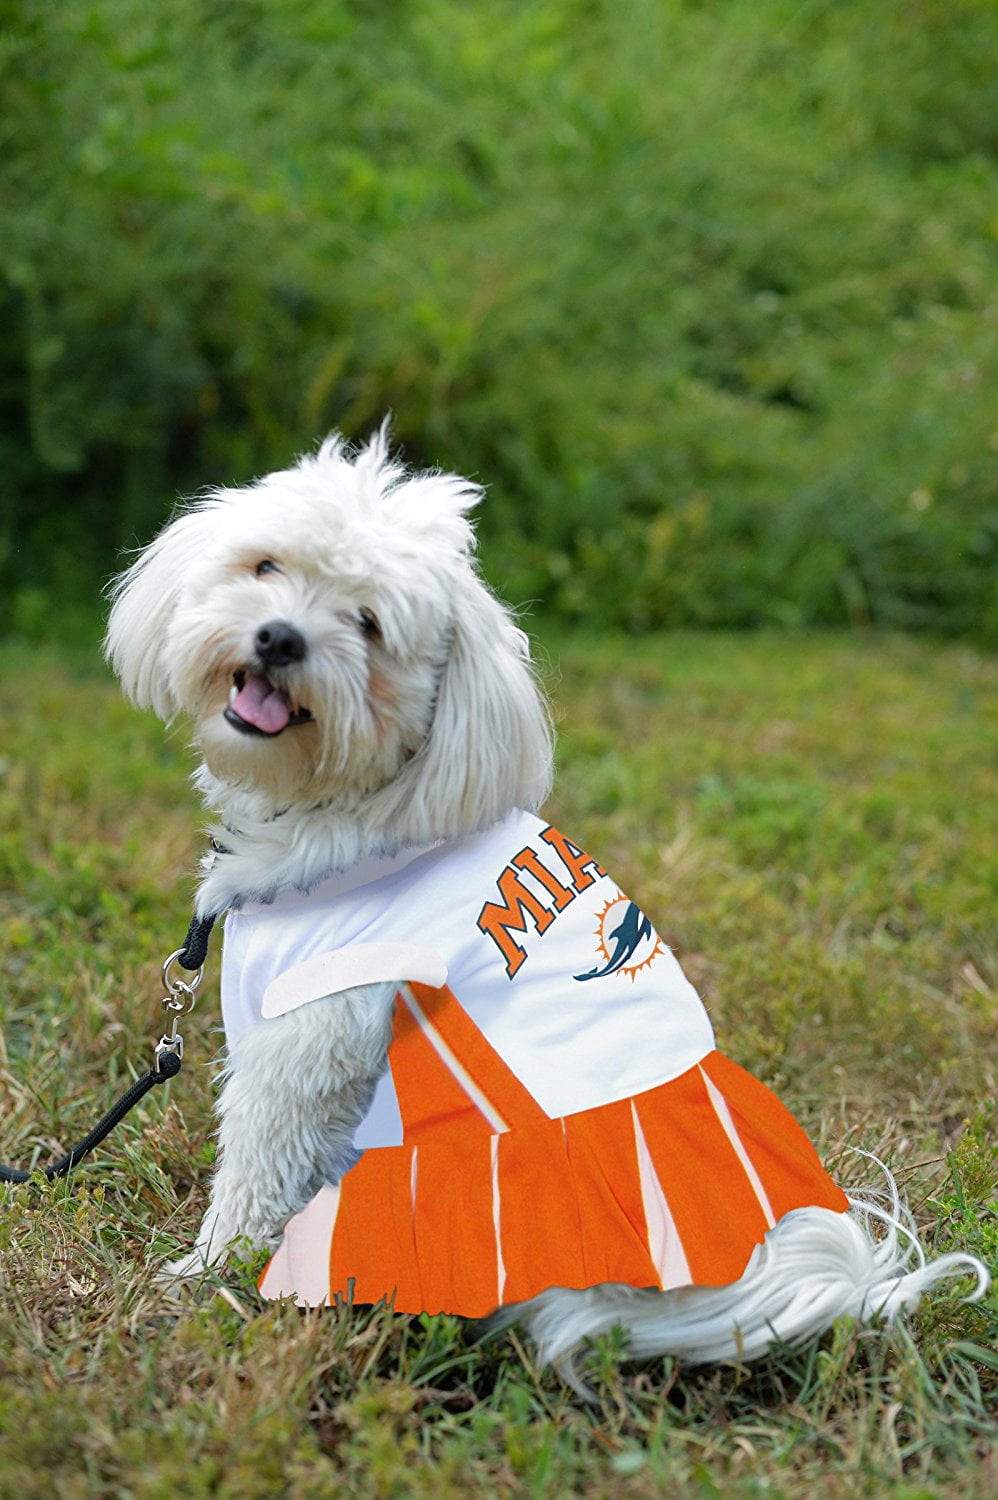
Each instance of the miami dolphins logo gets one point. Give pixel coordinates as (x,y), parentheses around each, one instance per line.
(625,938)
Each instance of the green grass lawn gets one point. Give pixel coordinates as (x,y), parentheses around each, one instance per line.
(810,820)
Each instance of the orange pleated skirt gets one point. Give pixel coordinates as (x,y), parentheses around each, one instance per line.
(488,1201)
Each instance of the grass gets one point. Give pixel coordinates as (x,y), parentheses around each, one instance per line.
(806,818)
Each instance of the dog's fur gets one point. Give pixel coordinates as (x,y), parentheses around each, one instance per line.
(424,723)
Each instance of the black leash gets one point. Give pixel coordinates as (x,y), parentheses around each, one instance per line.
(177,1002)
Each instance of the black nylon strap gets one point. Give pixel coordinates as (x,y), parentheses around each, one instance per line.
(195,949)
(169,1067)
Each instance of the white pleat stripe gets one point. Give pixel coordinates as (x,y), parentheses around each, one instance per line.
(299,1267)
(451,1062)
(497,1220)
(723,1113)
(664,1244)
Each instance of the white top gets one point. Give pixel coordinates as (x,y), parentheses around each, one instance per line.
(561,972)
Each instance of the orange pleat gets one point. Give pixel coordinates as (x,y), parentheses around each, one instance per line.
(373,1249)
(479,1058)
(454,1231)
(540,1226)
(431,1101)
(778,1147)
(602,1157)
(717,1214)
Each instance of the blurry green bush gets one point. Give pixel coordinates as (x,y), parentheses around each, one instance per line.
(705,291)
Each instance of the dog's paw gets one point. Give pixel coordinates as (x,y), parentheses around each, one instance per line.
(186,1268)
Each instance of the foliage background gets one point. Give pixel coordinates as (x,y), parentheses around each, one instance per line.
(704,291)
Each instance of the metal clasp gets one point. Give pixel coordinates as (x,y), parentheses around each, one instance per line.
(178,1001)
(175,987)
(173,1043)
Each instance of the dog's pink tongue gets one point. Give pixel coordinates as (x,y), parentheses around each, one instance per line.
(263,705)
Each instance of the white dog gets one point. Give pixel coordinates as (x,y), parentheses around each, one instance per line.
(369,723)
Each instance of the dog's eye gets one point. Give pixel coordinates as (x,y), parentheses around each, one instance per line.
(369,625)
(267,566)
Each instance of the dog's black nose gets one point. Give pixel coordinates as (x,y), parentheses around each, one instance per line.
(278,644)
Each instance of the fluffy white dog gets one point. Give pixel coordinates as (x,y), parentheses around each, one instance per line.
(360,698)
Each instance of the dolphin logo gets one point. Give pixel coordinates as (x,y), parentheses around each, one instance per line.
(632,930)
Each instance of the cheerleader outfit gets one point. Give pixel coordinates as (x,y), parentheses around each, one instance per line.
(554,1111)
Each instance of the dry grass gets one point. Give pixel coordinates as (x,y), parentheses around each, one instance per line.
(808,819)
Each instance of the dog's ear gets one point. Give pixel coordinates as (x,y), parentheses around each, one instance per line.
(489,748)
(144,599)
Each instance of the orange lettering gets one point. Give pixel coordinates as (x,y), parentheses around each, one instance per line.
(497,922)
(527,860)
(575,860)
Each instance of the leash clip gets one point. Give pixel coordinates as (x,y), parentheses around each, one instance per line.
(178,1001)
(177,987)
(172,1046)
